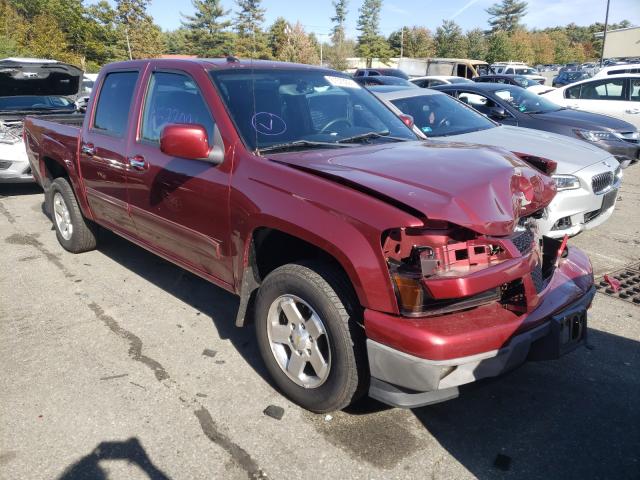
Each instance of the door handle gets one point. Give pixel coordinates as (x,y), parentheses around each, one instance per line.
(138,162)
(88,149)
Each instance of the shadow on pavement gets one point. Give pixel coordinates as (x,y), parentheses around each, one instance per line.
(132,451)
(16,189)
(577,417)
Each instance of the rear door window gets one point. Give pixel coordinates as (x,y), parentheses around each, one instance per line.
(603,90)
(114,103)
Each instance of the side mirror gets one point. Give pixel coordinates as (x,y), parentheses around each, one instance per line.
(191,141)
(407,120)
(497,113)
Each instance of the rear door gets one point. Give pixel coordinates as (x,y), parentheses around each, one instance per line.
(632,112)
(103,159)
(179,206)
(607,96)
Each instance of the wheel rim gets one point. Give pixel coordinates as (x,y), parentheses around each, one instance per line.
(299,341)
(62,216)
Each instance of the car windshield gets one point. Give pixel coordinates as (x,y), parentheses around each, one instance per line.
(526,71)
(524,82)
(526,101)
(307,108)
(440,115)
(574,76)
(35,102)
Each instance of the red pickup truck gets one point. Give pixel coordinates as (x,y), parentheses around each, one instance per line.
(368,260)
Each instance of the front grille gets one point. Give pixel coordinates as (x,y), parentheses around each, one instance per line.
(536,276)
(523,240)
(602,182)
(631,137)
(4,164)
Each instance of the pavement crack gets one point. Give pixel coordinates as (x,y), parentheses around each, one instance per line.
(237,453)
(31,240)
(135,344)
(7,214)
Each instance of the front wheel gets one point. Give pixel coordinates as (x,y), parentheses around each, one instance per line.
(310,337)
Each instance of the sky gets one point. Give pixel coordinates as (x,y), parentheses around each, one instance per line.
(315,15)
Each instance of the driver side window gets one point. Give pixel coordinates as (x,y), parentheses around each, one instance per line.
(173,98)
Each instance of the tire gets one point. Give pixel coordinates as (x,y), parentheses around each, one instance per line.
(318,291)
(80,234)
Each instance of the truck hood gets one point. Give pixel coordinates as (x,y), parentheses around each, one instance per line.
(570,154)
(481,188)
(29,77)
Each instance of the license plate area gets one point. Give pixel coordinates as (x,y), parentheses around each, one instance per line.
(571,330)
(609,200)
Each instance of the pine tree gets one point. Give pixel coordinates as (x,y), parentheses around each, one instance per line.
(278,37)
(476,44)
(450,42)
(506,16)
(208,34)
(251,40)
(370,43)
(417,42)
(340,49)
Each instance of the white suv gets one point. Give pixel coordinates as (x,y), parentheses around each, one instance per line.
(518,68)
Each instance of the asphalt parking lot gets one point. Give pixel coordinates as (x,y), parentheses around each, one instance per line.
(118,365)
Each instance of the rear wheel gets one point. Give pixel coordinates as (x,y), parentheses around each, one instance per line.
(75,233)
(310,337)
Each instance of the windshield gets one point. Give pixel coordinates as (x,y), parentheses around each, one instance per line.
(574,76)
(525,82)
(276,107)
(35,102)
(440,115)
(526,101)
(526,71)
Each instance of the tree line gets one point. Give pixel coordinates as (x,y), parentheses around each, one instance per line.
(92,35)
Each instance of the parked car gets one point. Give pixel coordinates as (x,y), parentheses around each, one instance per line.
(383,80)
(618,70)
(387,72)
(516,106)
(517,80)
(433,80)
(588,178)
(569,67)
(569,76)
(517,68)
(366,257)
(615,95)
(30,86)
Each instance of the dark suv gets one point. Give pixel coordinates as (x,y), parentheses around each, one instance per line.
(389,72)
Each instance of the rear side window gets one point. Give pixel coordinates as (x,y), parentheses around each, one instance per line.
(173,98)
(114,103)
(603,90)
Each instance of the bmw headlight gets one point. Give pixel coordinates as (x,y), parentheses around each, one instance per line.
(595,135)
(566,182)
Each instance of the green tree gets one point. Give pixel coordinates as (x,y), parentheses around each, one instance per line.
(176,41)
(506,15)
(299,46)
(417,42)
(500,48)
(522,46)
(13,31)
(562,52)
(477,46)
(278,37)
(208,32)
(251,40)
(370,43)
(340,50)
(543,49)
(449,40)
(103,42)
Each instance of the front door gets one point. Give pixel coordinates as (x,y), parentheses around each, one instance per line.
(179,206)
(103,152)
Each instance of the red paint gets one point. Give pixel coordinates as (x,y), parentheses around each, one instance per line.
(185,141)
(202,216)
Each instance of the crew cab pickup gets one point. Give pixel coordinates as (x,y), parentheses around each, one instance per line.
(368,260)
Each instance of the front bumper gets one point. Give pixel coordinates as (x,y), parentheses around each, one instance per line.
(441,353)
(14,164)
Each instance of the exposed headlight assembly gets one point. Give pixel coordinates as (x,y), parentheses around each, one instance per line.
(596,135)
(566,182)
(10,133)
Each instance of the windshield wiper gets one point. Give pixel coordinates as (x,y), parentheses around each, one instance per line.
(298,144)
(366,136)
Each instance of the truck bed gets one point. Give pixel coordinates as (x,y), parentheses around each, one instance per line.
(74,119)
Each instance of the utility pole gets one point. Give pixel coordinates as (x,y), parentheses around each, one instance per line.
(401,42)
(604,37)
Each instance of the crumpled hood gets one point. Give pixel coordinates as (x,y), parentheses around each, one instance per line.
(481,188)
(30,77)
(570,154)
